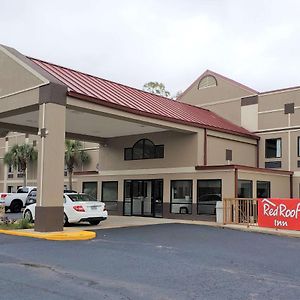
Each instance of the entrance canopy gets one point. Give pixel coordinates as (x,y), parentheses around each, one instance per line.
(55,103)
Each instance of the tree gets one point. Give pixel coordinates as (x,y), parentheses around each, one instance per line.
(20,156)
(178,94)
(75,156)
(156,88)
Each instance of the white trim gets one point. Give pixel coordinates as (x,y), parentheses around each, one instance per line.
(221,101)
(24,90)
(284,90)
(155,171)
(262,173)
(42,155)
(276,130)
(149,171)
(274,110)
(270,111)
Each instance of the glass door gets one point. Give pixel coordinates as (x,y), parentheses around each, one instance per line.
(158,197)
(143,198)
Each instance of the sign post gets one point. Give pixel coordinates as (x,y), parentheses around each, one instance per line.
(279,213)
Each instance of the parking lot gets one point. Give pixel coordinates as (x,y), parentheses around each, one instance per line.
(166,261)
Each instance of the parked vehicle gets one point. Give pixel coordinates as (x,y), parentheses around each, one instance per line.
(31,198)
(77,208)
(16,201)
(207,203)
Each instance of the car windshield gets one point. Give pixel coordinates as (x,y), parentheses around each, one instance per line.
(81,197)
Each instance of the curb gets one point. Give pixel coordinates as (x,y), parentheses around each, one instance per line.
(81,235)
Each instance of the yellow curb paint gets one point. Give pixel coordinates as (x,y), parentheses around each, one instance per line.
(54,236)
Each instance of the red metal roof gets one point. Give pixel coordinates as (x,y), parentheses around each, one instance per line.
(108,93)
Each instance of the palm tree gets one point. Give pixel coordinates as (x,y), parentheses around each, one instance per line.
(20,156)
(74,157)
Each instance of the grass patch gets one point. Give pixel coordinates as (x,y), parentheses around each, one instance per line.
(8,224)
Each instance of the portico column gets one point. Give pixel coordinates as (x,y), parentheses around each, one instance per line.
(50,178)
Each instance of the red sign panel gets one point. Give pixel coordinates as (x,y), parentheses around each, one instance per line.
(279,213)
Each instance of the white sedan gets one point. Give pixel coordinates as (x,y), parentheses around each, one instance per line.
(77,208)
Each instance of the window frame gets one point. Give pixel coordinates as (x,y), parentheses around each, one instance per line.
(266,156)
(88,182)
(113,201)
(198,180)
(298,146)
(171,200)
(269,185)
(246,180)
(155,151)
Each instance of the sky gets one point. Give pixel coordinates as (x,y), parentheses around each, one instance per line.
(256,42)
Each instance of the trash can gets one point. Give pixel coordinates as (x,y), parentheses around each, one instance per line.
(219,211)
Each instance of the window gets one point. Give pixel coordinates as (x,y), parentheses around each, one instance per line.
(298,146)
(10,188)
(245,189)
(144,149)
(81,197)
(128,153)
(207,81)
(273,148)
(23,190)
(208,193)
(90,188)
(181,196)
(110,194)
(65,170)
(263,189)
(10,169)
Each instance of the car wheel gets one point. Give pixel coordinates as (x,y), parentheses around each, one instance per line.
(94,222)
(66,222)
(16,206)
(28,215)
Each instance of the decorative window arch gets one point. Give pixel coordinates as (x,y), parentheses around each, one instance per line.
(144,149)
(207,81)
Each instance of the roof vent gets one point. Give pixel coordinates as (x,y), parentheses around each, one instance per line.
(207,81)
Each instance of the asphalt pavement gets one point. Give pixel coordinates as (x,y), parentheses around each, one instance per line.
(167,261)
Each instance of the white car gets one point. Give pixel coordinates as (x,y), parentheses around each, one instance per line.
(77,208)
(16,201)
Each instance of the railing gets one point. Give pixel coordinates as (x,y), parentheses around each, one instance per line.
(240,211)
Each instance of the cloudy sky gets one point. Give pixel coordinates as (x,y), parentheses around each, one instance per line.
(256,42)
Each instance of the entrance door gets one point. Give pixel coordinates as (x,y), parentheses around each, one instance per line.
(143,198)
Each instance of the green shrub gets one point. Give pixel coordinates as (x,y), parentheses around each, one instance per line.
(6,223)
(24,224)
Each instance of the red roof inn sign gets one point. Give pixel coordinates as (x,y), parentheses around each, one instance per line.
(279,213)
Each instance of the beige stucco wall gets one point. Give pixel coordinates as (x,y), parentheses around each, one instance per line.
(227,178)
(229,110)
(294,150)
(16,77)
(296,185)
(223,91)
(283,159)
(277,100)
(242,153)
(280,184)
(285,150)
(181,150)
(272,120)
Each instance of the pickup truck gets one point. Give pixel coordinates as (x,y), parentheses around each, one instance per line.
(16,201)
